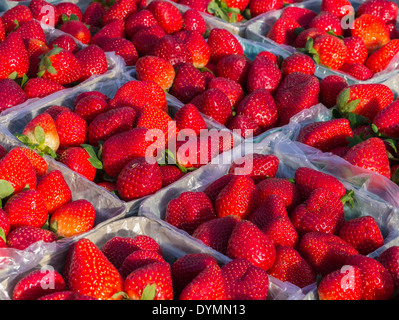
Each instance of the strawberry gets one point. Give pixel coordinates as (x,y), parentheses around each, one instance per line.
(357,70)
(389,259)
(216,233)
(68,9)
(189,210)
(342,284)
(298,62)
(188,83)
(167,16)
(356,50)
(330,87)
(188,117)
(14,57)
(214,188)
(192,20)
(121,47)
(246,127)
(4,225)
(15,16)
(11,94)
(322,211)
(26,208)
(197,46)
(301,15)
(370,154)
(79,160)
(114,29)
(93,15)
(35,48)
(290,266)
(270,55)
(137,94)
(380,59)
(172,49)
(138,179)
(296,92)
(38,163)
(117,249)
(255,165)
(234,67)
(2,31)
(138,259)
(249,242)
(44,12)
(283,31)
(231,88)
(77,29)
(222,43)
(339,8)
(41,87)
(15,168)
(22,237)
(363,233)
(372,30)
(65,295)
(145,39)
(377,281)
(307,180)
(263,74)
(54,190)
(282,187)
(384,9)
(200,5)
(244,281)
(363,100)
(170,174)
(328,22)
(35,284)
(61,66)
(258,7)
(155,69)
(89,107)
(326,135)
(272,218)
(324,252)
(119,10)
(139,20)
(92,60)
(303,36)
(215,104)
(31,30)
(386,120)
(150,282)
(91,273)
(71,128)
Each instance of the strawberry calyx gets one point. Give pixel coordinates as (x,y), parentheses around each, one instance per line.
(95,154)
(6,190)
(348,198)
(45,62)
(169,158)
(220,9)
(344,109)
(310,50)
(40,146)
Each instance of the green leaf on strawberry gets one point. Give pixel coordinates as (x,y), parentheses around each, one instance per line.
(149,292)
(6,189)
(3,235)
(94,160)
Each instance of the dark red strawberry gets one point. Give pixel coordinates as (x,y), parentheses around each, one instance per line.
(222,43)
(22,237)
(11,94)
(263,74)
(283,31)
(330,87)
(139,20)
(389,259)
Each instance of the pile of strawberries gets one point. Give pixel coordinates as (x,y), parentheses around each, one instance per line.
(359,42)
(294,229)
(37,204)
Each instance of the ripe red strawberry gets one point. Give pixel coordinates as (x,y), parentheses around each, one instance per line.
(188,83)
(330,87)
(189,210)
(215,104)
(246,127)
(389,259)
(194,21)
(326,135)
(38,163)
(370,154)
(44,12)
(339,8)
(363,233)
(301,15)
(222,43)
(138,259)
(2,31)
(54,190)
(272,218)
(327,21)
(4,225)
(263,74)
(92,60)
(41,87)
(35,48)
(249,242)
(155,69)
(15,16)
(31,30)
(71,128)
(214,188)
(377,281)
(291,267)
(119,10)
(216,233)
(78,160)
(258,7)
(93,15)
(77,29)
(68,9)
(188,117)
(244,281)
(90,106)
(342,284)
(121,47)
(357,70)
(234,67)
(65,295)
(30,286)
(197,46)
(195,4)
(172,49)
(372,30)
(138,94)
(298,62)
(22,237)
(114,29)
(145,39)
(137,179)
(380,59)
(167,16)
(322,211)
(307,180)
(283,31)
(231,88)
(270,55)
(11,94)
(296,92)
(324,252)
(91,273)
(386,120)
(384,9)
(14,57)
(26,208)
(139,20)
(356,50)
(303,36)
(118,248)
(170,174)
